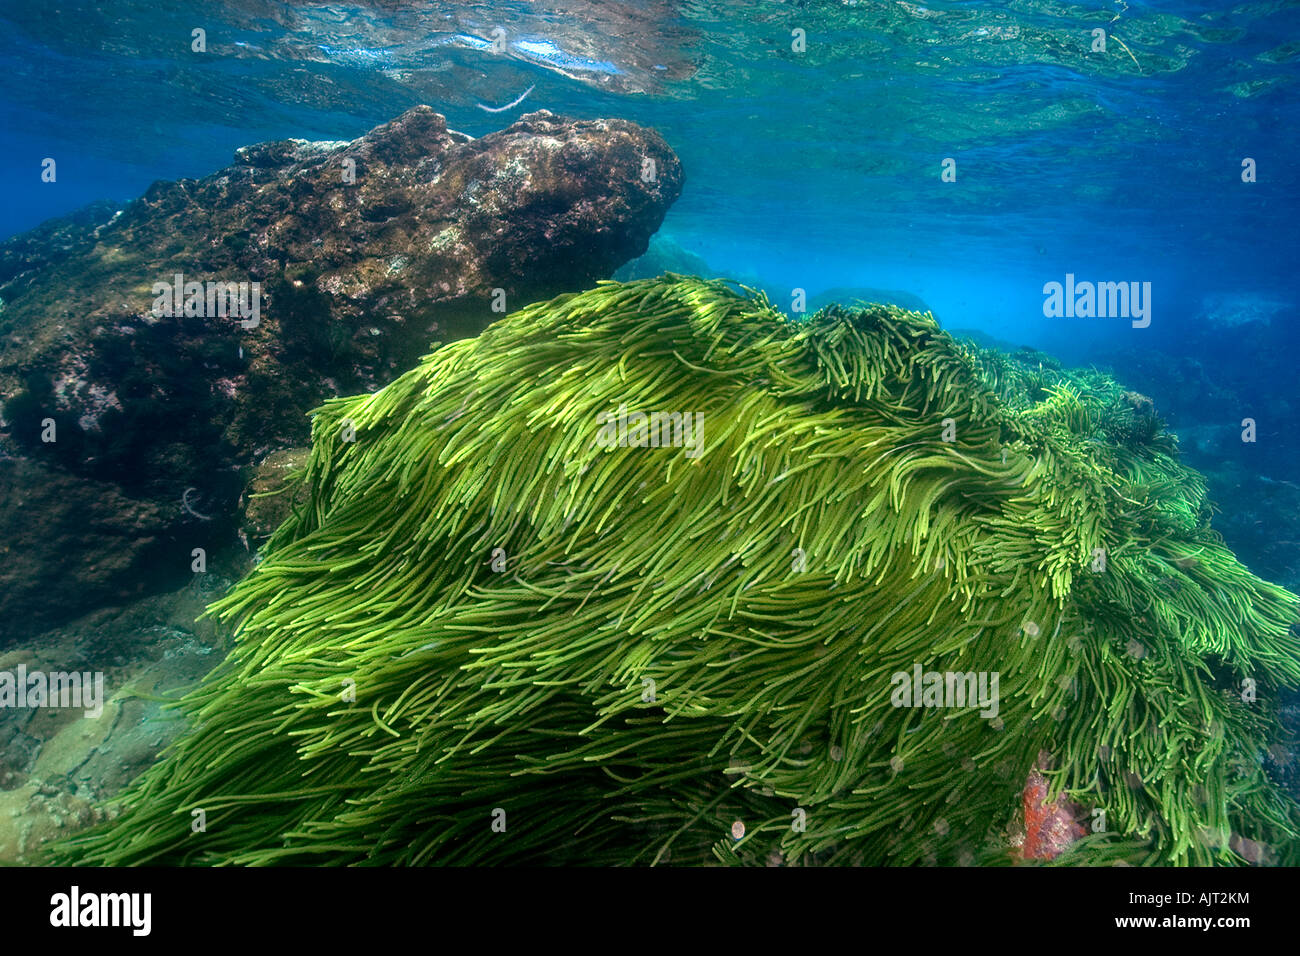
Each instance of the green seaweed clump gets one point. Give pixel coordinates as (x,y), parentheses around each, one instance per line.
(501,630)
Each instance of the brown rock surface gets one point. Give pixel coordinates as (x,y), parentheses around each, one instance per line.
(365,253)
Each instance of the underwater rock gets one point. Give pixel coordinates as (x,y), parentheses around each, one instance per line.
(136,383)
(664,255)
(22,257)
(1051,826)
(58,764)
(269,498)
(651,572)
(1231,309)
(862,295)
(1251,475)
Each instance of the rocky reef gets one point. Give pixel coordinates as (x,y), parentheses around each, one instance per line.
(1250,470)
(57,766)
(865,295)
(666,256)
(135,398)
(653,573)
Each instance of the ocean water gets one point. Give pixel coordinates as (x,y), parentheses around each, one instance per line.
(960,156)
(813,170)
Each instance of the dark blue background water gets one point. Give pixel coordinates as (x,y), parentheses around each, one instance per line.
(812,170)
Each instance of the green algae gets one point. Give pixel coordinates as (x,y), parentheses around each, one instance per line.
(487,637)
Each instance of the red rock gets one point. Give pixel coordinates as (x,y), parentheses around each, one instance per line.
(1050,826)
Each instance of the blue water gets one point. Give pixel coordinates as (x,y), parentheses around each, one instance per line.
(812,170)
(814,136)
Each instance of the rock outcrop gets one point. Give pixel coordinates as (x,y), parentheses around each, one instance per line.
(149,356)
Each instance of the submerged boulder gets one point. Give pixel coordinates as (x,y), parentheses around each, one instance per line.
(664,255)
(149,354)
(864,295)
